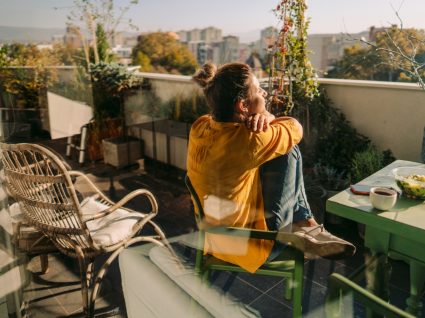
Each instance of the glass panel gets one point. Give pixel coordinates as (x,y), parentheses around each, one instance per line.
(118,104)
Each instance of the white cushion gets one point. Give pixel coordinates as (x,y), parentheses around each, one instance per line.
(149,293)
(217,303)
(15,213)
(112,228)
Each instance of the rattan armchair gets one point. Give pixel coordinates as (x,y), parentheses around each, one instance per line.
(44,188)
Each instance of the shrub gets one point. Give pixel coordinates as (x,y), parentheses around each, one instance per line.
(330,140)
(187,109)
(367,162)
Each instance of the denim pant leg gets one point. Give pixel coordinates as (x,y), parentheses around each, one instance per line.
(284,195)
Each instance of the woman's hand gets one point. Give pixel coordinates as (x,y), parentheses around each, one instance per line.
(259,122)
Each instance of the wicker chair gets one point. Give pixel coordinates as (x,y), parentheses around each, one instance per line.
(43,186)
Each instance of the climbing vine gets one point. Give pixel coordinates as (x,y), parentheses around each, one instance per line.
(289,66)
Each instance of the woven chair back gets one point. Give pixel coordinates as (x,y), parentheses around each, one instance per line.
(40,182)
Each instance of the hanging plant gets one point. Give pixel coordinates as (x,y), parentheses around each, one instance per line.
(290,68)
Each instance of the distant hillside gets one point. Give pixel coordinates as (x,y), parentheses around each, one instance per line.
(28,35)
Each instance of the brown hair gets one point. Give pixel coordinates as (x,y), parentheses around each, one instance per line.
(223,87)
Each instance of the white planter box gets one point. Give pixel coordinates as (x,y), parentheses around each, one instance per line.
(167,144)
(120,152)
(178,152)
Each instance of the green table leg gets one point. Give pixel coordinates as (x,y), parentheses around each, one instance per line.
(377,278)
(417,281)
(378,273)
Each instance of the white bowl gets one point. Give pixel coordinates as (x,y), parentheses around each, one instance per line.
(382,198)
(414,189)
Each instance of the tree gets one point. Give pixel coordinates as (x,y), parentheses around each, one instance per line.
(144,61)
(396,54)
(357,63)
(102,45)
(24,71)
(98,18)
(162,53)
(401,51)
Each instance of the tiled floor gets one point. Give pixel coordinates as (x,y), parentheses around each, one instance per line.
(57,293)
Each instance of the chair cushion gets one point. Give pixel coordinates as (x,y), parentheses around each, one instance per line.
(112,228)
(150,293)
(216,302)
(15,213)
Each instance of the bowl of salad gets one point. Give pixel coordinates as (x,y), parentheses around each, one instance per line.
(411,181)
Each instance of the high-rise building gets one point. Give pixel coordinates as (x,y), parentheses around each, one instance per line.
(326,49)
(229,49)
(182,36)
(203,43)
(207,35)
(194,35)
(244,52)
(268,37)
(205,52)
(211,34)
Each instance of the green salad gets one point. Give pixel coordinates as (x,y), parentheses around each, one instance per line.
(413,186)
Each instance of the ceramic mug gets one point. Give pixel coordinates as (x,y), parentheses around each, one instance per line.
(382,198)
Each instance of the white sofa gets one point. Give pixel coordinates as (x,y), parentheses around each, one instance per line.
(155,284)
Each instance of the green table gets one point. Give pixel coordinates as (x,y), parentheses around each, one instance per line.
(398,233)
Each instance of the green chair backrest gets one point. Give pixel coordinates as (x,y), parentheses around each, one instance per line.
(235,231)
(200,215)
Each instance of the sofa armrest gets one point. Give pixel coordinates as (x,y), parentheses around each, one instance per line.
(216,302)
(149,292)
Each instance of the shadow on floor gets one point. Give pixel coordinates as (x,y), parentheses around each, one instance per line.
(57,293)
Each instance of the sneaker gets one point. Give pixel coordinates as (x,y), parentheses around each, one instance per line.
(320,243)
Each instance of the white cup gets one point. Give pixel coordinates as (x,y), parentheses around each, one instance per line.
(382,198)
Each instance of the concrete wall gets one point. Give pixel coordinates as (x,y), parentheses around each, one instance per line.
(392,115)
(167,86)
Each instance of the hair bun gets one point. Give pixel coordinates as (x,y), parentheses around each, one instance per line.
(205,74)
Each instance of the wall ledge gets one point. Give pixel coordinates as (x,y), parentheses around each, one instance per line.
(325,81)
(166,77)
(373,84)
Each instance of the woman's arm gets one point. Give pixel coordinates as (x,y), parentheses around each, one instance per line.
(260,122)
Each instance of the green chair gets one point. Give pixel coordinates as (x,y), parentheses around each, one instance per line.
(289,264)
(343,290)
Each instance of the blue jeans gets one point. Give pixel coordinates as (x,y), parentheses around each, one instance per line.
(284,195)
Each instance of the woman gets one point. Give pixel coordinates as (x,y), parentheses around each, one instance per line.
(237,154)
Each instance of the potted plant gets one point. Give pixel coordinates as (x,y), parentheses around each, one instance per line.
(111,84)
(184,110)
(290,69)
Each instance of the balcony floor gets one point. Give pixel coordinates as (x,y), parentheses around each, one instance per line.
(57,293)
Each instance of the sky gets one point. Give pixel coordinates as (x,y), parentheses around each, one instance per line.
(236,17)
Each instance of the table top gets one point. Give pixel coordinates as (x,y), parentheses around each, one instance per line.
(406,218)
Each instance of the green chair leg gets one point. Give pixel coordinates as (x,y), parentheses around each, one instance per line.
(298,288)
(288,289)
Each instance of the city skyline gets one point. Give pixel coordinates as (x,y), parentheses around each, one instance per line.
(243,18)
